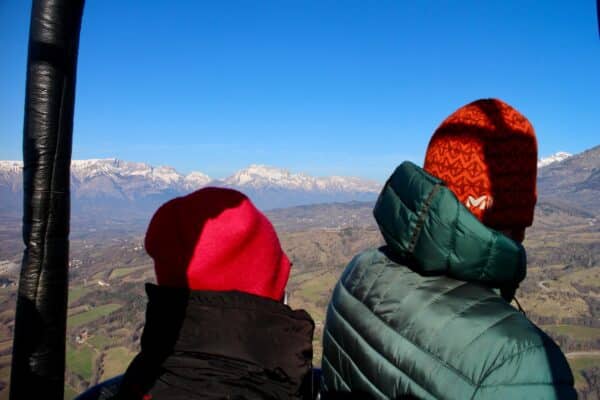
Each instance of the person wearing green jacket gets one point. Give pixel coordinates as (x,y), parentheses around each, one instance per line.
(428,315)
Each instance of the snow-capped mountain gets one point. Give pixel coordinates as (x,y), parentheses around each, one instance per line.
(271,187)
(262,176)
(83,170)
(556,157)
(575,179)
(11,184)
(130,179)
(7,166)
(195,180)
(10,175)
(116,185)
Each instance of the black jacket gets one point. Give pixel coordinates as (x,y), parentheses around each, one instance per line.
(220,345)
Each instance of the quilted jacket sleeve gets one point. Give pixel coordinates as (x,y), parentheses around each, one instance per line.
(514,378)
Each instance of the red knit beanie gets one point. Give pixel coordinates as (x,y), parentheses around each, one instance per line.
(486,152)
(216,239)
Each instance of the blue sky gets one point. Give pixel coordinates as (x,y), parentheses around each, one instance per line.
(322,87)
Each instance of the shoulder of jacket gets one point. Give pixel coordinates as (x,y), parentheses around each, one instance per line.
(375,255)
(517,356)
(540,366)
(366,260)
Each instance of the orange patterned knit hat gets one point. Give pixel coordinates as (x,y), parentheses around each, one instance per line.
(486,152)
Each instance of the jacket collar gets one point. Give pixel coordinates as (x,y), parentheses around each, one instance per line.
(219,340)
(184,319)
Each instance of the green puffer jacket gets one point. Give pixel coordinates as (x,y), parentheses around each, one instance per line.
(419,317)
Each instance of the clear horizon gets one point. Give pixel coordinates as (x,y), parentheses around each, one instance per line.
(311,87)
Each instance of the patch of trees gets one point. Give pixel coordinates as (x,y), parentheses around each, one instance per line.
(5,352)
(569,344)
(577,254)
(585,289)
(542,319)
(588,321)
(592,378)
(76,381)
(126,293)
(594,306)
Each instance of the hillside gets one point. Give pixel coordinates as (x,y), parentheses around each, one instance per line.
(575,180)
(108,268)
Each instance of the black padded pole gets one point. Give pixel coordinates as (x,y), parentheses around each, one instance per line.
(38,363)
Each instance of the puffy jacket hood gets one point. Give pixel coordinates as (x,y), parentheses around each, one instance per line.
(422,221)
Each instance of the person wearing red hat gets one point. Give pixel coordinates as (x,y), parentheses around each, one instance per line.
(216,326)
(428,315)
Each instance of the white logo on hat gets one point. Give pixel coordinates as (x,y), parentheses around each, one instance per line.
(483,202)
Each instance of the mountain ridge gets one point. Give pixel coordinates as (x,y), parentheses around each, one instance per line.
(575,180)
(122,184)
(255,175)
(551,159)
(111,185)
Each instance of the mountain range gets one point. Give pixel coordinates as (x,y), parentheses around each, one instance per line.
(121,188)
(575,181)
